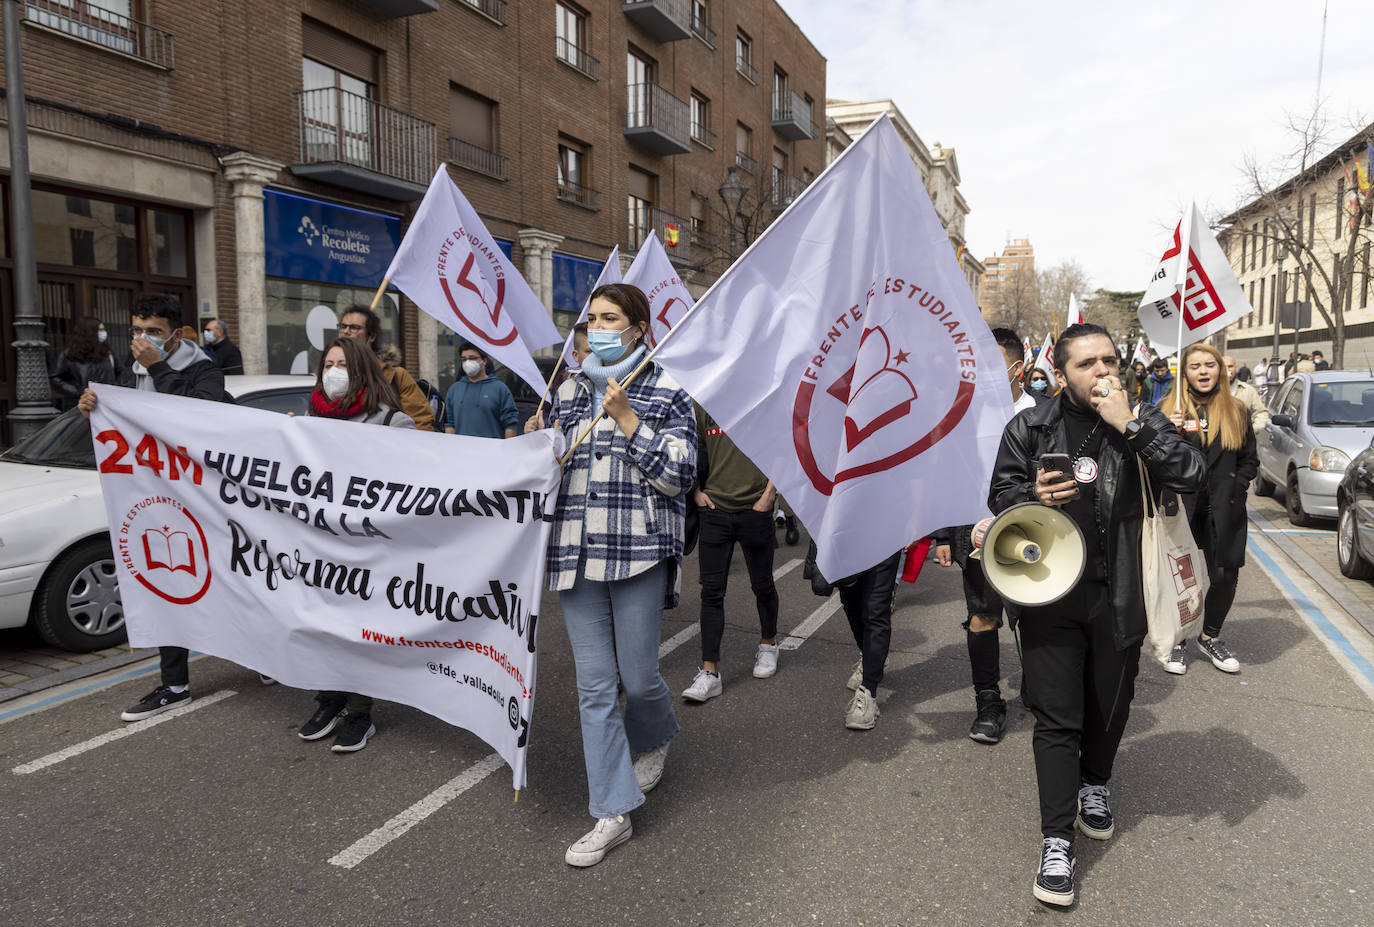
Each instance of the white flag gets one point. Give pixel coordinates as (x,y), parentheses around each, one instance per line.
(844,354)
(1075,316)
(653,273)
(1203,285)
(610,273)
(1045,359)
(1142,353)
(450,265)
(1027,355)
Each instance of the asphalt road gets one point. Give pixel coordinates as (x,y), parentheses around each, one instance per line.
(1239,799)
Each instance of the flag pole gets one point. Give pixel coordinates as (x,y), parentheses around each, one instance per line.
(549,385)
(377,297)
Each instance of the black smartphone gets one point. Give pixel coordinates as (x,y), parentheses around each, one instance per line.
(1052,462)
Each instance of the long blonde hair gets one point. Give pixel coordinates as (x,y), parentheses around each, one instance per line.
(1226,416)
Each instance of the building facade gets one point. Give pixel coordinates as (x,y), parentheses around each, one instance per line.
(1017,257)
(265,175)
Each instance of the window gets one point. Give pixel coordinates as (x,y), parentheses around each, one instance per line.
(1364,278)
(641,206)
(639,79)
(1258,307)
(778,176)
(573,173)
(338,79)
(1273,296)
(701,117)
(1312,219)
(570,44)
(779,86)
(472,118)
(1244,243)
(698,216)
(744,148)
(744,56)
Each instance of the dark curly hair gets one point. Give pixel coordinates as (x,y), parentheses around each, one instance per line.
(83,342)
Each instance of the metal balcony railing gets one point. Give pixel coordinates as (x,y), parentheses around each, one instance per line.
(702,30)
(492,9)
(746,163)
(665,20)
(674,232)
(784,189)
(346,128)
(104,28)
(576,58)
(703,135)
(657,120)
(579,195)
(792,116)
(750,72)
(475,158)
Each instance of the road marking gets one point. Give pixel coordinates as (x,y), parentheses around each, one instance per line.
(692,630)
(1317,532)
(417,812)
(127,731)
(813,622)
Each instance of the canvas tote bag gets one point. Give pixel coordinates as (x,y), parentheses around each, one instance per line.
(1174,574)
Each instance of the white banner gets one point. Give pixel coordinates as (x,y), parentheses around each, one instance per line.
(1044,361)
(845,356)
(452,268)
(335,555)
(610,273)
(653,273)
(1204,286)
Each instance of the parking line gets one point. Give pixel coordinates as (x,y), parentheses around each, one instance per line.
(813,622)
(692,630)
(127,731)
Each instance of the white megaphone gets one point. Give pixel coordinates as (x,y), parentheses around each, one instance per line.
(1035,553)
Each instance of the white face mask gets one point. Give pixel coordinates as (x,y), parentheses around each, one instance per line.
(209,336)
(335,382)
(102,335)
(472,367)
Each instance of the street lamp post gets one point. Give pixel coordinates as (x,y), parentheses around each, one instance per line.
(732,193)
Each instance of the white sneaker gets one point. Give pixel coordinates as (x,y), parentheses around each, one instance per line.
(862,713)
(649,767)
(1178,660)
(1221,655)
(608,834)
(856,676)
(766,661)
(704,686)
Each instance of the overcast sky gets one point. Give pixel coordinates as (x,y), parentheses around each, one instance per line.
(1087,126)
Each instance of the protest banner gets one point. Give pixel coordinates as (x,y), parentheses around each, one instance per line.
(335,555)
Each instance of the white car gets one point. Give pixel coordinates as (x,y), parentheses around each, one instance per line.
(57,571)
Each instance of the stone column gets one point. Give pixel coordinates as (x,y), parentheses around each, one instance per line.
(247,173)
(428,336)
(538,246)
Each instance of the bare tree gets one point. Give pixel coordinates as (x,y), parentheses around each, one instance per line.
(1115,311)
(1054,286)
(1018,306)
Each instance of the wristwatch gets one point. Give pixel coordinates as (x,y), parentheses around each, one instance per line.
(1132,429)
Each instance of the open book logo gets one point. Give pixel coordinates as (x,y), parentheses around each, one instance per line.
(162,546)
(885,396)
(481,276)
(166,549)
(1182,569)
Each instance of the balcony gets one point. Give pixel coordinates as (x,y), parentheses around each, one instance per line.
(350,141)
(792,116)
(394,9)
(783,190)
(495,10)
(747,69)
(657,121)
(576,58)
(102,28)
(746,163)
(474,158)
(579,195)
(674,234)
(703,136)
(665,20)
(703,31)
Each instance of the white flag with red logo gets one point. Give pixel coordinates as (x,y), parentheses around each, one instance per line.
(1201,286)
(1027,355)
(1075,314)
(844,354)
(450,266)
(1142,353)
(1044,361)
(653,273)
(610,273)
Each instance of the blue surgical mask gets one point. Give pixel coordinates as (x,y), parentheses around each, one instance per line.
(102,335)
(159,343)
(606,345)
(1040,385)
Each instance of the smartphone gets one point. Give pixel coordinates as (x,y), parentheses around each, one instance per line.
(1052,462)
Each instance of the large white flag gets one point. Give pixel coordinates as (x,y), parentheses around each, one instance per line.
(610,273)
(653,273)
(845,356)
(1044,361)
(335,555)
(450,265)
(1202,286)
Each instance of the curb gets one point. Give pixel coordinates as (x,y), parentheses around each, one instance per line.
(72,673)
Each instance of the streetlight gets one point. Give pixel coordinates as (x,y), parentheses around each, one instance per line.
(732,193)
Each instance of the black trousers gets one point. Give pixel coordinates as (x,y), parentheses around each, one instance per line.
(984,652)
(1079,688)
(1221,595)
(175,666)
(757,538)
(867,600)
(355,703)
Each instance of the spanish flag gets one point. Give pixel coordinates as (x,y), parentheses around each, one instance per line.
(670,234)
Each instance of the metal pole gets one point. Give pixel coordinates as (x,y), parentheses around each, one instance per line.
(34,407)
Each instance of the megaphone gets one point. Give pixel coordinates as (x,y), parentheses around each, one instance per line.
(1034,553)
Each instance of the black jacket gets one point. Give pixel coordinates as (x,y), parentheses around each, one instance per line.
(200,380)
(1171,462)
(1221,526)
(227,356)
(70,378)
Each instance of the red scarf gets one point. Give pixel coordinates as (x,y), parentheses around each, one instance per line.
(332,408)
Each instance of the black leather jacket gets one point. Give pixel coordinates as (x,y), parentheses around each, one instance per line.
(1172,464)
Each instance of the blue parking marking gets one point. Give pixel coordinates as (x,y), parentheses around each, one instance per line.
(76,693)
(1305,605)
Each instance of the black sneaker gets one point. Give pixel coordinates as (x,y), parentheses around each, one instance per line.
(790,535)
(1094,814)
(1220,654)
(324,720)
(992,718)
(1054,881)
(353,733)
(155,703)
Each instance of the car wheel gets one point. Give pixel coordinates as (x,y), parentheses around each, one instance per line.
(1348,549)
(1264,487)
(78,605)
(1292,499)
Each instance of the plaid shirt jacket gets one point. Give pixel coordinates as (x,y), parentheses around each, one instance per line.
(623,499)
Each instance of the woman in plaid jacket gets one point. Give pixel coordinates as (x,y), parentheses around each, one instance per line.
(615,555)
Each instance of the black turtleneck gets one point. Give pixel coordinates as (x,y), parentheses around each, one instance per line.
(1084,441)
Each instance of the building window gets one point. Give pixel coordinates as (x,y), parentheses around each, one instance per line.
(641,197)
(474,133)
(698,217)
(574,174)
(1258,307)
(744,56)
(777,176)
(1312,220)
(570,44)
(640,71)
(744,148)
(112,24)
(701,118)
(1244,244)
(338,81)
(779,87)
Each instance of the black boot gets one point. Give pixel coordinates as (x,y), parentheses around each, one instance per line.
(992,717)
(790,535)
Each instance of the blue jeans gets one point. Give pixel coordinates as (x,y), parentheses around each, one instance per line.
(617,625)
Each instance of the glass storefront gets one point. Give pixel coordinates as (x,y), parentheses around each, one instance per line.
(304,317)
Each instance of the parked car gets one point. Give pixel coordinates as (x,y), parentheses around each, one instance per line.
(57,571)
(1355,523)
(1318,422)
(526,399)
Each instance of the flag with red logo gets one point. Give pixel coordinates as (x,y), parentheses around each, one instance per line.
(1142,353)
(450,266)
(610,273)
(1193,285)
(1044,361)
(844,354)
(1027,352)
(653,273)
(1075,313)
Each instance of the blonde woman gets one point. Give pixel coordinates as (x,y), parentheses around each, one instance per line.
(1210,418)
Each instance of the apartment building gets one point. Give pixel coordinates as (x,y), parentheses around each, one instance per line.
(1018,256)
(261,158)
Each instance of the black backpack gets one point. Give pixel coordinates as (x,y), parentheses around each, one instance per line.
(435,400)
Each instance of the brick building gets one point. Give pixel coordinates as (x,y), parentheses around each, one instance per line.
(260,158)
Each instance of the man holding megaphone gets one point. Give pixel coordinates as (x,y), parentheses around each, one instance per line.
(1080,652)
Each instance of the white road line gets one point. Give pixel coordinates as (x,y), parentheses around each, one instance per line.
(786,568)
(126,731)
(417,812)
(812,623)
(691,631)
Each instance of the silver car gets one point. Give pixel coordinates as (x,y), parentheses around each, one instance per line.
(1318,422)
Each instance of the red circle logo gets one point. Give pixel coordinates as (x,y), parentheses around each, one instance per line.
(487,281)
(162,546)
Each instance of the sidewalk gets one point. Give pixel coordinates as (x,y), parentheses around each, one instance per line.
(26,666)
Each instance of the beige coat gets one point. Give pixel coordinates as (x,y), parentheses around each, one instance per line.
(1259,414)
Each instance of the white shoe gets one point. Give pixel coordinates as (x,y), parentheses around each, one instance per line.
(608,834)
(1221,655)
(862,713)
(1178,660)
(766,661)
(856,676)
(704,686)
(649,767)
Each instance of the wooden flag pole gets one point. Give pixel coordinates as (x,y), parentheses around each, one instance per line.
(602,414)
(377,297)
(549,385)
